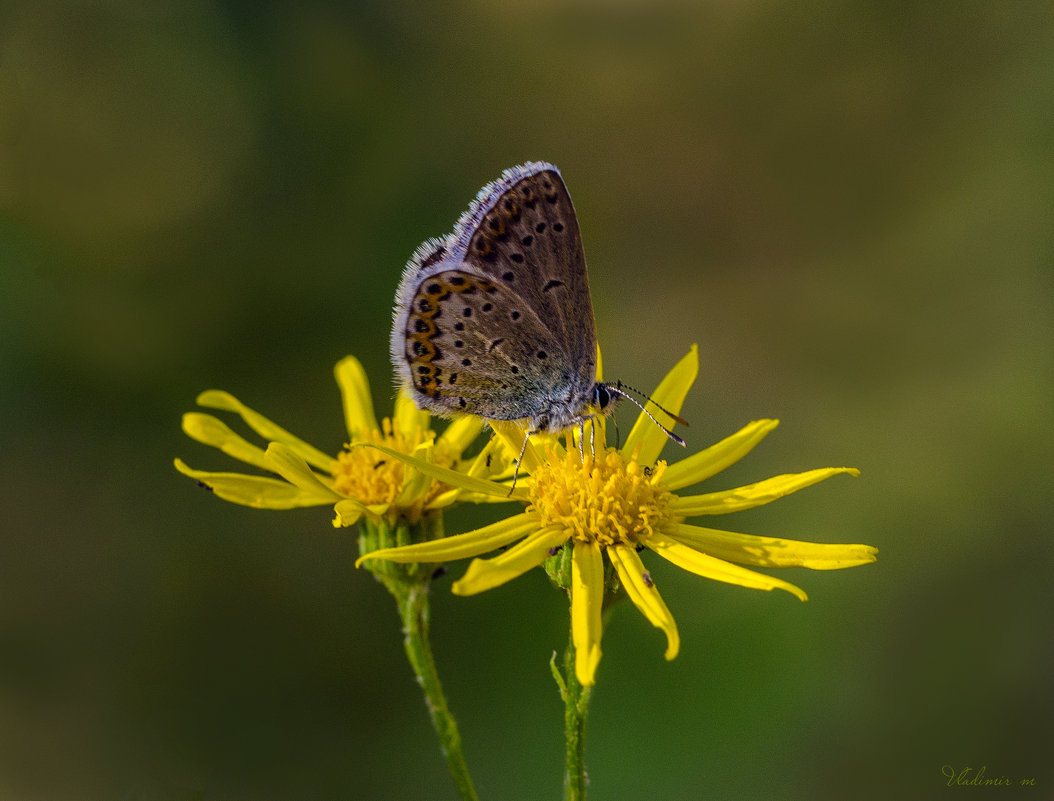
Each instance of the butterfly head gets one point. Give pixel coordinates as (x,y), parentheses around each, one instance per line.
(603,398)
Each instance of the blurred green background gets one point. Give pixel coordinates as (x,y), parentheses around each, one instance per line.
(847,205)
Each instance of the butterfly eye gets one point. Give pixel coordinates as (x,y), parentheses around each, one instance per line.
(601,396)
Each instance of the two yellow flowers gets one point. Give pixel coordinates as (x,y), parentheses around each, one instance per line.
(592,501)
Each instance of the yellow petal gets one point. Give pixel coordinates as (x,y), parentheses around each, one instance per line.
(641,590)
(758,494)
(460,433)
(587,597)
(408,418)
(709,567)
(355,395)
(460,546)
(513,434)
(291,466)
(464,496)
(600,365)
(490,461)
(349,511)
(211,431)
(670,394)
(448,476)
(770,551)
(255,491)
(416,483)
(450,497)
(485,574)
(215,399)
(716,458)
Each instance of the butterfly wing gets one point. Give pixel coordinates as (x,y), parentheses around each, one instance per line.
(471,345)
(496,319)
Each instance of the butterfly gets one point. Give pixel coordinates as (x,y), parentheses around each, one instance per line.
(495,320)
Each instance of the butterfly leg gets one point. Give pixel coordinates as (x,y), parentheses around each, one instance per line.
(519,460)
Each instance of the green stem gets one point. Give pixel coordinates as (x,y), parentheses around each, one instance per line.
(408,584)
(576,707)
(413,610)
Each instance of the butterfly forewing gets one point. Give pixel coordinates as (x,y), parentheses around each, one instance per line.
(522,231)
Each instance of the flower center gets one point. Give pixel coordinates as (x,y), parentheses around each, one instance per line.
(607,500)
(372,477)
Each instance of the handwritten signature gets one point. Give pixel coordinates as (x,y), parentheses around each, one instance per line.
(978,777)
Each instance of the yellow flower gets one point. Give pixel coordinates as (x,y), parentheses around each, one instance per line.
(358,482)
(620,502)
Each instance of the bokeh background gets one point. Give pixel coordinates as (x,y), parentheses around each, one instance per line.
(847,205)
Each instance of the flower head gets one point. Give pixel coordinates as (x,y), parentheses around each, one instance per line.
(620,502)
(358,482)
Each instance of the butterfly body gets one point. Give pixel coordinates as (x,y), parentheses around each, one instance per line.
(496,320)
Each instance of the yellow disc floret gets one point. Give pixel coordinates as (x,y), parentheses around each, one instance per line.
(605,500)
(373,477)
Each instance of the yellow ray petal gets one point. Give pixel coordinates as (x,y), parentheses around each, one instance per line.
(460,433)
(416,483)
(460,546)
(445,499)
(641,590)
(448,476)
(587,597)
(770,551)
(485,574)
(408,418)
(255,491)
(490,461)
(717,569)
(349,511)
(670,393)
(513,434)
(215,399)
(355,396)
(458,495)
(758,494)
(713,460)
(289,464)
(211,431)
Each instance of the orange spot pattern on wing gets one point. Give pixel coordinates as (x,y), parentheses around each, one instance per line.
(422,328)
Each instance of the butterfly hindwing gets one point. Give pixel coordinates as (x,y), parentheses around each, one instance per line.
(472,346)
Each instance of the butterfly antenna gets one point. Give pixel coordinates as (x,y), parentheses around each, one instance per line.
(663,409)
(618,391)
